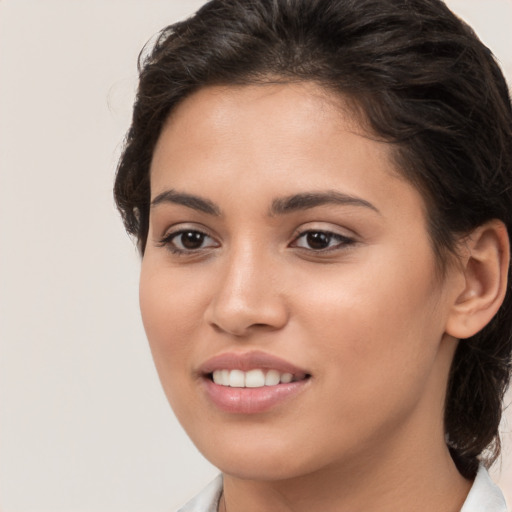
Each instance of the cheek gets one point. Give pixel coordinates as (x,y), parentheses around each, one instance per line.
(169,310)
(377,327)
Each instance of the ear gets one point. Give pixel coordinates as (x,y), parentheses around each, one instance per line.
(484,266)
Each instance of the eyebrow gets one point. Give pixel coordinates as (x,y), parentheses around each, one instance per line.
(309,200)
(280,206)
(188,200)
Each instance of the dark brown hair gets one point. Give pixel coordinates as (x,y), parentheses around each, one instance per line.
(422,81)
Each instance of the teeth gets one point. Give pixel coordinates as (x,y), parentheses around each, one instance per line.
(251,379)
(254,379)
(286,377)
(237,379)
(217,377)
(225,377)
(272,378)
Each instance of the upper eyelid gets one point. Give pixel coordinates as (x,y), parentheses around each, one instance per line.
(179,227)
(167,242)
(343,241)
(314,227)
(325,231)
(343,237)
(170,234)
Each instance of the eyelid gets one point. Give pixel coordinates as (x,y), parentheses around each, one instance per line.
(337,233)
(345,240)
(179,227)
(342,238)
(325,227)
(176,230)
(173,234)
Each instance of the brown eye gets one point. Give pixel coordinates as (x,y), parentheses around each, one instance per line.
(322,240)
(318,240)
(187,241)
(190,239)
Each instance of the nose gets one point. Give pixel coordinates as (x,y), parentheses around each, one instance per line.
(248,296)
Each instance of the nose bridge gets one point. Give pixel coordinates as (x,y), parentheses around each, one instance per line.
(244,264)
(248,293)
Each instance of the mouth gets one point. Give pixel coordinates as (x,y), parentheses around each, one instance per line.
(255,378)
(253,382)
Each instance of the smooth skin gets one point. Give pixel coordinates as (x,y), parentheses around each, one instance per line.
(347,289)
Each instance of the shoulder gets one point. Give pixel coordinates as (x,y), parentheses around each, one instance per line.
(485,495)
(207,500)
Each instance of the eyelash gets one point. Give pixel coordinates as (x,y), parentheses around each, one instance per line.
(342,241)
(168,241)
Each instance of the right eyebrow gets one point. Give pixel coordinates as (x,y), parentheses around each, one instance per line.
(307,200)
(188,200)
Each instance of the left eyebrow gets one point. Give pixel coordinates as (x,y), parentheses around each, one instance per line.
(305,201)
(189,200)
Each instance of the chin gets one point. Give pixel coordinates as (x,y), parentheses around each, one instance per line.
(262,458)
(266,468)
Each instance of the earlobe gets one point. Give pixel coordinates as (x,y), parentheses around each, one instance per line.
(484,264)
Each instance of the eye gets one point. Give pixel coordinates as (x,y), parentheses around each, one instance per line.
(321,240)
(187,241)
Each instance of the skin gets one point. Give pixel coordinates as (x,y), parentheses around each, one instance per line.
(367,318)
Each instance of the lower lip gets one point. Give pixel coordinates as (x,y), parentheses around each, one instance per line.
(251,400)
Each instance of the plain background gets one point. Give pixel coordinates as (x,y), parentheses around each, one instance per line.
(84,425)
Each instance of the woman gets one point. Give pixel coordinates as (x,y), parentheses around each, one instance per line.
(321,191)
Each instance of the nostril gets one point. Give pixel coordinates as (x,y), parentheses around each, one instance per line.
(239,310)
(261,326)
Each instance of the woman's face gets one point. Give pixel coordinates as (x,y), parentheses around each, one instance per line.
(284,246)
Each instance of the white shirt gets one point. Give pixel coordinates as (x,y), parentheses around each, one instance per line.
(484,496)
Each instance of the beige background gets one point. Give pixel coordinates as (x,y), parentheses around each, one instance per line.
(84,425)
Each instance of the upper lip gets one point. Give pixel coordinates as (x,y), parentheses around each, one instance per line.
(250,361)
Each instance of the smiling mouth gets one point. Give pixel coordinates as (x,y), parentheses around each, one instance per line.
(251,382)
(255,378)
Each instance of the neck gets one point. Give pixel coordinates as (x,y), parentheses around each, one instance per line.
(423,484)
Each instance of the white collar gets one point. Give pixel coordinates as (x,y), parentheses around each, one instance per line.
(207,500)
(485,495)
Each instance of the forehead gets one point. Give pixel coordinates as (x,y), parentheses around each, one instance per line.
(275,138)
(291,117)
(292,101)
(283,106)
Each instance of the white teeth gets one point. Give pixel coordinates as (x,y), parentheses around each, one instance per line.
(237,379)
(225,378)
(252,379)
(272,378)
(217,377)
